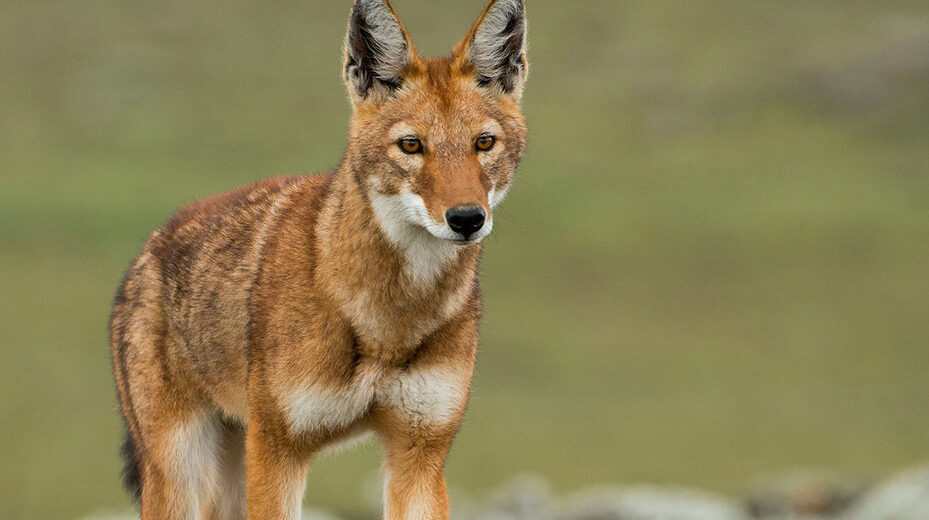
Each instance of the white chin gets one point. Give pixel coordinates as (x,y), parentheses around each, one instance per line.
(474,239)
(468,242)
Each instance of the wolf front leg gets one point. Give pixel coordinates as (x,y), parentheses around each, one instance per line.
(415,488)
(417,418)
(275,474)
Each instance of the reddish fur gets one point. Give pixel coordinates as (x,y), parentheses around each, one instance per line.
(242,296)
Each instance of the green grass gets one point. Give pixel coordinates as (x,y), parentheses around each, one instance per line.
(714,263)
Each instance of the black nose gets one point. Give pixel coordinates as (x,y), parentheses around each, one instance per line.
(465,219)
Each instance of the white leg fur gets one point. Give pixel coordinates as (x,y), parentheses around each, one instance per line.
(193,449)
(293,496)
(314,407)
(416,504)
(230,500)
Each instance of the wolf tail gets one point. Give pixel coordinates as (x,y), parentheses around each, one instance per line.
(132,472)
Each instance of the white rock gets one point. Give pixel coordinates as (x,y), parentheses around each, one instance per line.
(649,503)
(904,497)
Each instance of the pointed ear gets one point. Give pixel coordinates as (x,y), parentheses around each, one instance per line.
(377,49)
(496,46)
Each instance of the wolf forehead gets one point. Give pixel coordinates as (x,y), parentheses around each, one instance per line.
(440,112)
(440,108)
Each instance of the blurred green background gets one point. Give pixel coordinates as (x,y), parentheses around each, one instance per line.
(714,263)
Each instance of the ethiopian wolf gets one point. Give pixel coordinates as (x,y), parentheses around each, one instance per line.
(259,326)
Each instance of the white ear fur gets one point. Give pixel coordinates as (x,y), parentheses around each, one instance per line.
(497,49)
(376,48)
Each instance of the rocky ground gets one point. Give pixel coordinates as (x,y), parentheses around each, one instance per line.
(902,497)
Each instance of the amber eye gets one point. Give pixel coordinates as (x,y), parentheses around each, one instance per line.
(484,143)
(410,145)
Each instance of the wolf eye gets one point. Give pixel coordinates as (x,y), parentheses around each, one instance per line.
(484,143)
(410,145)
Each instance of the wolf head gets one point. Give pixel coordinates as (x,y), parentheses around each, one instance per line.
(434,142)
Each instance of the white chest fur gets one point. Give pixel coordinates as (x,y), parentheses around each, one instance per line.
(434,395)
(313,406)
(431,395)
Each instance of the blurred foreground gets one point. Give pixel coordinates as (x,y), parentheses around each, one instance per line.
(902,497)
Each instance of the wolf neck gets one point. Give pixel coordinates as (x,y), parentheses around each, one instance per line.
(392,302)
